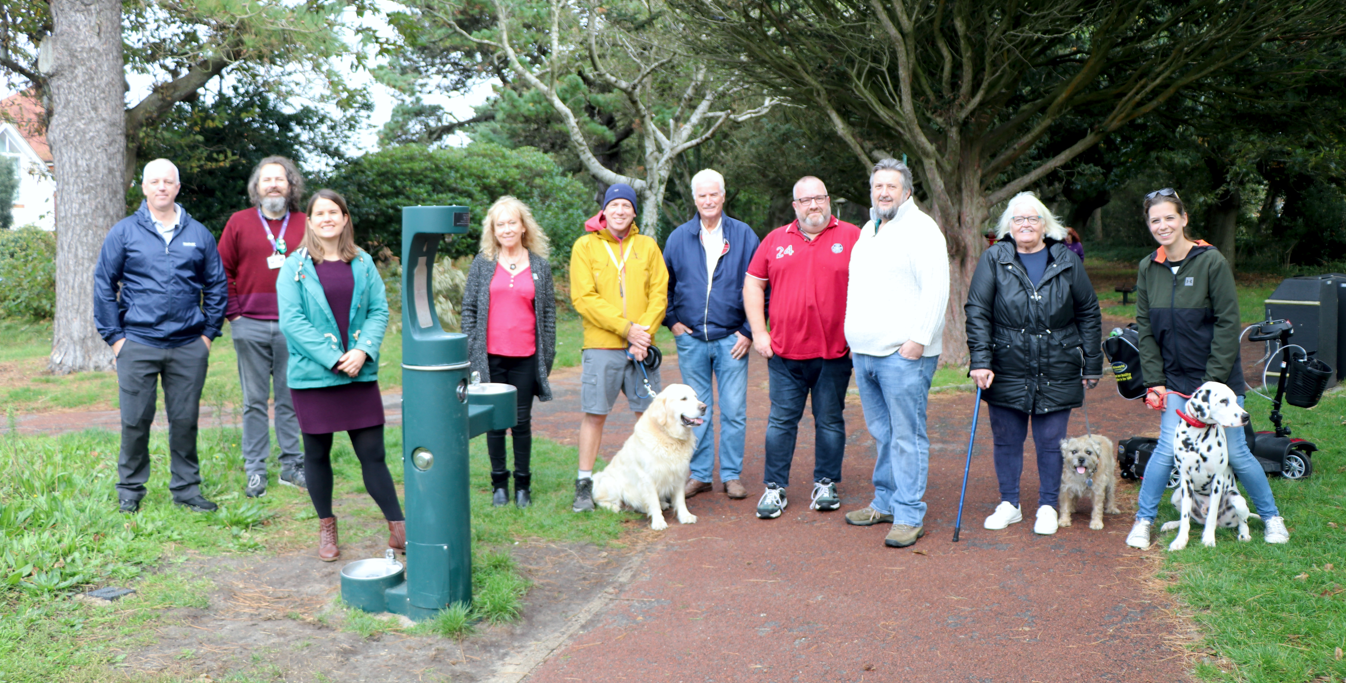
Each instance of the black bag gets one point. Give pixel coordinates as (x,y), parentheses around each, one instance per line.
(1134,454)
(1122,349)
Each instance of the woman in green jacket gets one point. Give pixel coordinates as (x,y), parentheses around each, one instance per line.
(333,312)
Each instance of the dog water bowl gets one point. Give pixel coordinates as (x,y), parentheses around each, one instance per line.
(363,582)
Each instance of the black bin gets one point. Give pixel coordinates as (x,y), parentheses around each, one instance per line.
(1311,304)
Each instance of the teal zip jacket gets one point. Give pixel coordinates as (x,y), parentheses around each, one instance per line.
(311,330)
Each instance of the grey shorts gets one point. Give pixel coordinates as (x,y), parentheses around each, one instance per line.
(607,372)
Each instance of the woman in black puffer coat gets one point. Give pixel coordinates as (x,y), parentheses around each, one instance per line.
(1033,331)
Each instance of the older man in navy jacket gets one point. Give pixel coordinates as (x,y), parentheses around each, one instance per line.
(707,258)
(159,296)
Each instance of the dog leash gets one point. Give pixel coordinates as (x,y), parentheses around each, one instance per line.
(653,357)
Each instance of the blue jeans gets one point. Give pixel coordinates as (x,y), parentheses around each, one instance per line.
(699,361)
(792,381)
(1009,428)
(1246,467)
(893,391)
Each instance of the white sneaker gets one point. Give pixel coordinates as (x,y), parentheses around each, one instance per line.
(1046,523)
(1276,531)
(1005,514)
(1140,535)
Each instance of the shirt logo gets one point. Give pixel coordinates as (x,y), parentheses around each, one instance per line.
(836,248)
(782,252)
(192,244)
(1188,282)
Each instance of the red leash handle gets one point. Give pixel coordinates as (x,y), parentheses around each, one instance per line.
(1152,398)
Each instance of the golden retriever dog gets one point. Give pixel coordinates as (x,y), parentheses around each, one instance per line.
(1088,468)
(650,470)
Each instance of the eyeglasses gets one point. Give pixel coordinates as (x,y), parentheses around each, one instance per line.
(1031,220)
(806,201)
(1166,192)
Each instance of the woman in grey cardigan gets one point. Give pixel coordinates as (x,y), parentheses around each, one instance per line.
(509,317)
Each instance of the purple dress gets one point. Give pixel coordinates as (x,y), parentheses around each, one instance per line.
(342,408)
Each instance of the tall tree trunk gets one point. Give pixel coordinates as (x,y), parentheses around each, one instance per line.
(1097,221)
(88,144)
(1222,217)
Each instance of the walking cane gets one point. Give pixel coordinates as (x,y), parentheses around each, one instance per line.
(966,468)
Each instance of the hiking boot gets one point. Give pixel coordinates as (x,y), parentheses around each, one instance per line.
(256,487)
(824,498)
(293,476)
(1046,521)
(868,516)
(903,535)
(197,504)
(1005,514)
(584,496)
(328,551)
(734,489)
(1276,531)
(1140,534)
(397,535)
(693,487)
(772,502)
(128,507)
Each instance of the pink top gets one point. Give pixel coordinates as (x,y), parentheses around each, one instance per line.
(511,322)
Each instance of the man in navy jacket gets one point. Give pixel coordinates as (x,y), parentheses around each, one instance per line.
(707,258)
(159,296)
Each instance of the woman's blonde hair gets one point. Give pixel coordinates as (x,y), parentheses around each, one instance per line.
(533,239)
(345,242)
(1054,229)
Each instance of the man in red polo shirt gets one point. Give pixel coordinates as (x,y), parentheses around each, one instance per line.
(252,248)
(806,265)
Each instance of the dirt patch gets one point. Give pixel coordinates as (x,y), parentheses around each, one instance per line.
(276,618)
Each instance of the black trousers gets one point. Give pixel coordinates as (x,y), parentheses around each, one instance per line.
(183,373)
(521,373)
(368,445)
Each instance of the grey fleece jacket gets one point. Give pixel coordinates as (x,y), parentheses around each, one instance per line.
(476,309)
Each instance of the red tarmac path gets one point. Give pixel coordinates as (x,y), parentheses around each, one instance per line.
(806,597)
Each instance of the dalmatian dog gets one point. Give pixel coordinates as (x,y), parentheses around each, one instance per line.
(1206,485)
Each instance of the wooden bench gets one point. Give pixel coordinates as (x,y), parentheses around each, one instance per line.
(1125,290)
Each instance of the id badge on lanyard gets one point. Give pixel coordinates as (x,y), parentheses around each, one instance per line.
(276,259)
(621,266)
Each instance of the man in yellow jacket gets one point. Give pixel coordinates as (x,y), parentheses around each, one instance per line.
(619,286)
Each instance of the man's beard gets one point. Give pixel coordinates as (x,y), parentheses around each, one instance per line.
(817,220)
(886,215)
(274,205)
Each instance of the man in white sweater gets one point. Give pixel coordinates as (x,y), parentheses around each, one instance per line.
(895,305)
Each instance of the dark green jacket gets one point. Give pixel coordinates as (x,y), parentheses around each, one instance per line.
(1189,321)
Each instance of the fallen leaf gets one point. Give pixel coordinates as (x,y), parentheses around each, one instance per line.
(921,552)
(1337,654)
(1327,567)
(870,667)
(1332,524)
(1301,577)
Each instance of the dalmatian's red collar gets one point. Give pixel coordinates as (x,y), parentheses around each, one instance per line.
(1191,421)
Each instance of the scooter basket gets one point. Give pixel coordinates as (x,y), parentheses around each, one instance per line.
(1308,379)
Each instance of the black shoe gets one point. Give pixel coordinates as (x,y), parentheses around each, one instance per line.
(293,477)
(500,498)
(197,504)
(584,496)
(256,487)
(129,507)
(522,499)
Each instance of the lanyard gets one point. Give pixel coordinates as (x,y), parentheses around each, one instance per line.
(277,243)
(621,266)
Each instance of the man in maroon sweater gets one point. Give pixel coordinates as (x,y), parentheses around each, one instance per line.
(252,248)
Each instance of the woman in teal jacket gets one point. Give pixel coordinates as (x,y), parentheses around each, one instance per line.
(333,312)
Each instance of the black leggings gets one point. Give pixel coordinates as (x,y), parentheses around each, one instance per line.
(368,445)
(522,374)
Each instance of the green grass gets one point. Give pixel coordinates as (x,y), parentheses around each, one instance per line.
(1277,612)
(60,534)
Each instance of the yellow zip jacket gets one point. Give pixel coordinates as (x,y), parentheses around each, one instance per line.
(606,303)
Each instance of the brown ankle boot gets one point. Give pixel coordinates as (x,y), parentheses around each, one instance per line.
(397,536)
(327,540)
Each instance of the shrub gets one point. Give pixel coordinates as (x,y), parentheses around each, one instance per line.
(27,274)
(378,185)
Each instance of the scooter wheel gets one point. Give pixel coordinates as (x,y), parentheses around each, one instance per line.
(1173,479)
(1296,465)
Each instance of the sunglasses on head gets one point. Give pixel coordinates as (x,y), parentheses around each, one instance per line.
(1166,192)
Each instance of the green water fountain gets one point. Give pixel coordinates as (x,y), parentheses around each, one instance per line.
(443,406)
